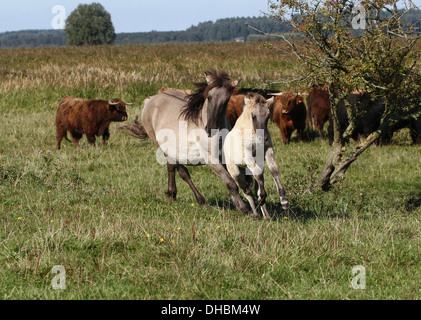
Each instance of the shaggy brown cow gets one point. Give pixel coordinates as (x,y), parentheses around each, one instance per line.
(267,94)
(236,102)
(370,119)
(289,114)
(318,107)
(235,108)
(90,117)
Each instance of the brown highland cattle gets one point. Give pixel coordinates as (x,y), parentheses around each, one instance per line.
(318,108)
(89,117)
(289,114)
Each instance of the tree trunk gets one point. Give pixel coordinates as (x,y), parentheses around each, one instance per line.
(336,167)
(324,179)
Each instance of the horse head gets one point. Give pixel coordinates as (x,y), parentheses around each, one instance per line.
(260,110)
(213,95)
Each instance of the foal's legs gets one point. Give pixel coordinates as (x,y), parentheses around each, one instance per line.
(274,170)
(245,182)
(257,172)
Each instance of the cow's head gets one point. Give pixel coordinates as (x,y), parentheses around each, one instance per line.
(289,102)
(118,109)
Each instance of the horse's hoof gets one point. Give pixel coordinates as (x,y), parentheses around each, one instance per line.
(206,205)
(285,204)
(202,201)
(268,218)
(255,216)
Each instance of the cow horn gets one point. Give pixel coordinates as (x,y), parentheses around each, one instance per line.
(277,94)
(110,102)
(128,104)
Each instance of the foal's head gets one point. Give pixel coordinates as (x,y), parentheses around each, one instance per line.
(260,110)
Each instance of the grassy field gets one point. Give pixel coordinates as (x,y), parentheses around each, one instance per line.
(103,215)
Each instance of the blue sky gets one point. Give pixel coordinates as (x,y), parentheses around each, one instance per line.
(131,15)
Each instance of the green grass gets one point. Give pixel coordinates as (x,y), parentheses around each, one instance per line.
(103,215)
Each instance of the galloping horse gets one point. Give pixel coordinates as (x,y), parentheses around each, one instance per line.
(247,145)
(188,128)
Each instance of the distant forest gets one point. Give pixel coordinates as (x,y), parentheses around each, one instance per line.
(221,30)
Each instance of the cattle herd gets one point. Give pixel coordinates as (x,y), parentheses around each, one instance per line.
(289,113)
(218,106)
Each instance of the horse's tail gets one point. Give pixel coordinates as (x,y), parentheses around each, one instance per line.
(138,130)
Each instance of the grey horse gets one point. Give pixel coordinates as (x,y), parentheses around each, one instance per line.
(188,130)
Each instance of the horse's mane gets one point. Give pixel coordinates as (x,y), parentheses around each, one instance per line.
(191,111)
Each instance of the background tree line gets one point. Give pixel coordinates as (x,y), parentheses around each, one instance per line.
(221,30)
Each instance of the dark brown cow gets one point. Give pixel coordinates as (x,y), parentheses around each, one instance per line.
(236,102)
(415,127)
(370,120)
(289,114)
(235,108)
(267,94)
(318,108)
(90,117)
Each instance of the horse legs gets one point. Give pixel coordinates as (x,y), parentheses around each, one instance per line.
(184,174)
(245,182)
(274,170)
(172,188)
(223,174)
(257,172)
